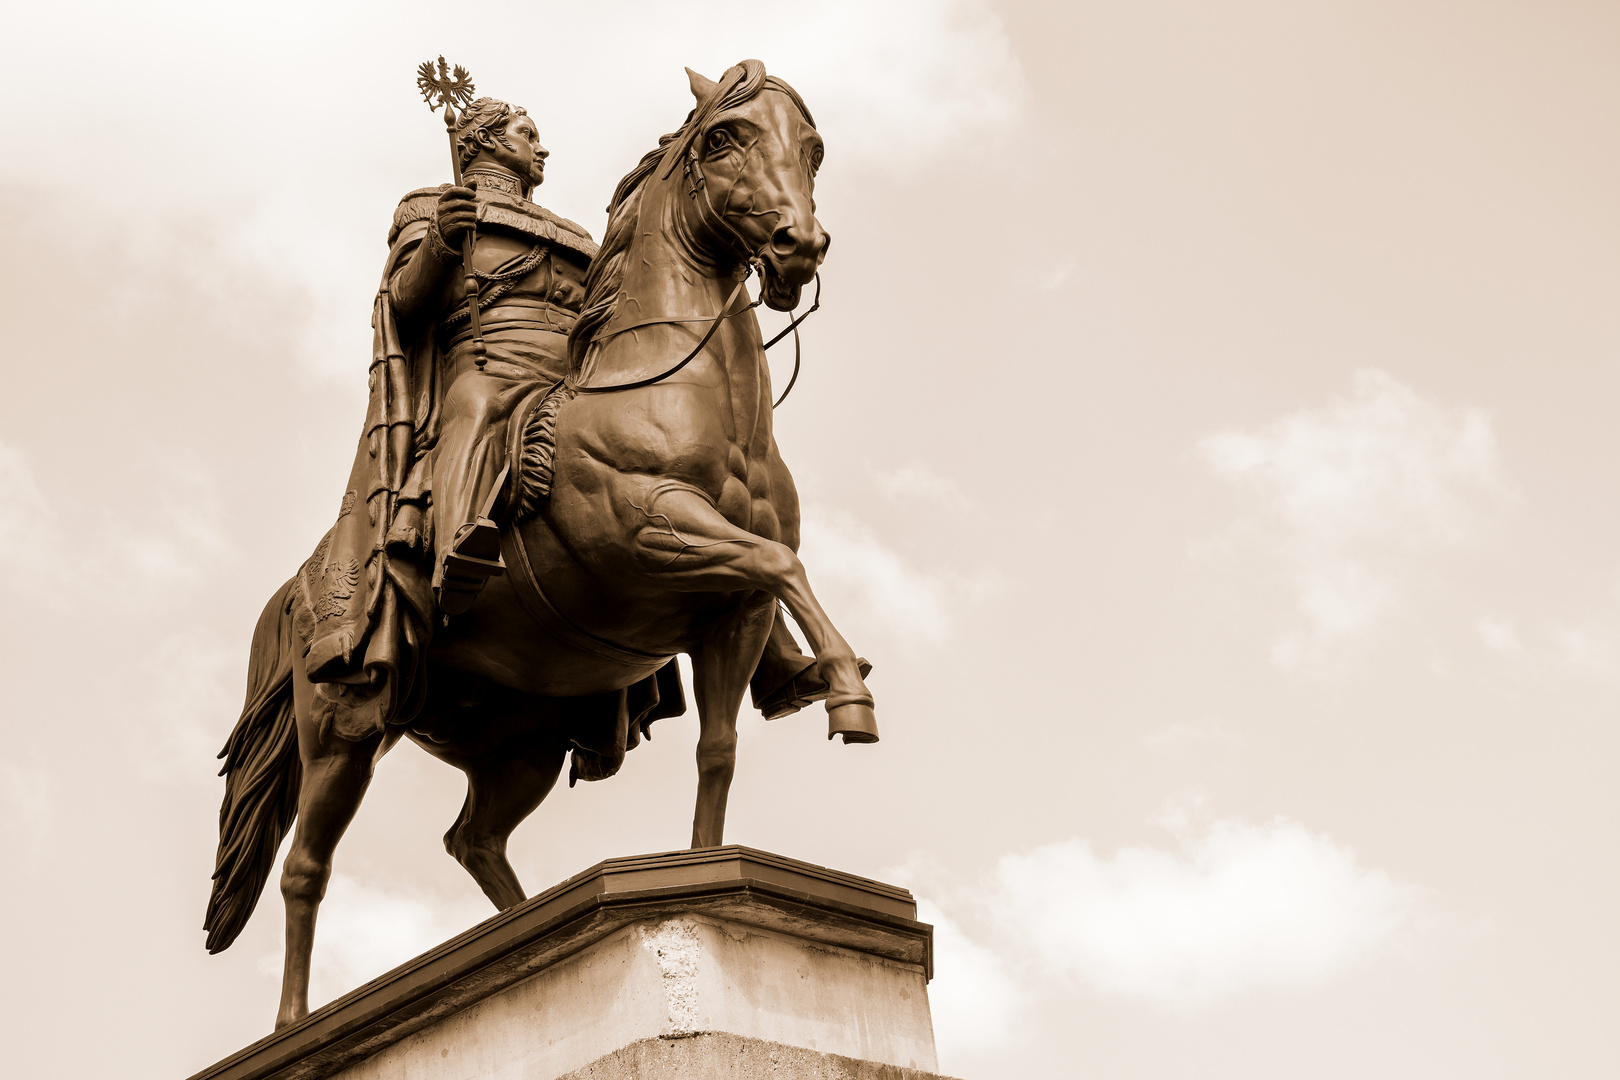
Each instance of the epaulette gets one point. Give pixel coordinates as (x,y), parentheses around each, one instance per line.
(534,222)
(517,215)
(415,206)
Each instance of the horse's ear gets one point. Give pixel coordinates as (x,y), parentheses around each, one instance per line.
(701,88)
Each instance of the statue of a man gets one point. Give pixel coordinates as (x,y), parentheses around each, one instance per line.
(530,269)
(415,541)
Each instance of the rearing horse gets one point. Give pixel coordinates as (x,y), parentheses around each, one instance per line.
(670,526)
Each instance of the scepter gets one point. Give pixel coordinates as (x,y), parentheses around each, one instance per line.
(452,88)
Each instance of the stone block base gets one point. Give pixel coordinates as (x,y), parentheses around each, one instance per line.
(715,1055)
(719,963)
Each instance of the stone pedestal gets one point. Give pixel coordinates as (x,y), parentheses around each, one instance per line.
(722,963)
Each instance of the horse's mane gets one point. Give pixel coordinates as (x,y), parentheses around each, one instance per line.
(737,86)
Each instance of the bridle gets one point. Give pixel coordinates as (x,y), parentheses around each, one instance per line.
(751,260)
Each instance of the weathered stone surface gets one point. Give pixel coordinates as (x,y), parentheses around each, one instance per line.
(725,940)
(672,977)
(715,1055)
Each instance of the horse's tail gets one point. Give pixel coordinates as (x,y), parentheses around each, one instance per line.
(262,773)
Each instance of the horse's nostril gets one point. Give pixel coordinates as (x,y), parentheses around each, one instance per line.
(784,241)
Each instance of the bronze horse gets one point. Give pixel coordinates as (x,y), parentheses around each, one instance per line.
(670,526)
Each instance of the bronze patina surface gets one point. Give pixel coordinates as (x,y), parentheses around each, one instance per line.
(567,476)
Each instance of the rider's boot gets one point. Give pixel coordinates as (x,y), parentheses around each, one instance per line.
(473,559)
(786,680)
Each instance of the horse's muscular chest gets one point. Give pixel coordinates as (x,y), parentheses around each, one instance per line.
(681,430)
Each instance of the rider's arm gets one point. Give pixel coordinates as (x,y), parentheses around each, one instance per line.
(436,258)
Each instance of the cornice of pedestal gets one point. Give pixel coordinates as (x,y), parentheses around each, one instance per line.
(735,884)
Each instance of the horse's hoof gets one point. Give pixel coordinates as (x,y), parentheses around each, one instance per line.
(857,723)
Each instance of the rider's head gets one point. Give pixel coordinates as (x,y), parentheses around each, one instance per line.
(492,132)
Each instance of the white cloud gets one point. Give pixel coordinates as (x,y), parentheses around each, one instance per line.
(1348,494)
(1587,648)
(366,929)
(974,998)
(1202,736)
(1054,278)
(906,77)
(70,559)
(920,482)
(1499,635)
(1235,908)
(860,578)
(893,86)
(193,696)
(27,813)
(26,519)
(25,793)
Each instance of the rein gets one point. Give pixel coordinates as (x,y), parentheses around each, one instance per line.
(713,326)
(792,327)
(698,185)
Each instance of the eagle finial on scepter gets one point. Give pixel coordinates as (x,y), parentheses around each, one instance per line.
(447,87)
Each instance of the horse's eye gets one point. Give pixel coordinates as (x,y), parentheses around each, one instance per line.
(719,139)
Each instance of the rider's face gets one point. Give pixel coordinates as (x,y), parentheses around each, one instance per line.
(525,156)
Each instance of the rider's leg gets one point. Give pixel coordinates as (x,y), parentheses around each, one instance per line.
(786,679)
(780,666)
(468,460)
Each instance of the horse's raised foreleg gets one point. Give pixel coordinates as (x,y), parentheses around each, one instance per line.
(685,543)
(336,773)
(721,666)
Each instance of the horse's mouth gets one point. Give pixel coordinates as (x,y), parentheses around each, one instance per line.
(780,293)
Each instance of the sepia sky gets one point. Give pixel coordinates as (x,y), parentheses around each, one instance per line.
(1209,434)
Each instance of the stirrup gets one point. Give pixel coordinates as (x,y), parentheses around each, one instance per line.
(473,559)
(805,688)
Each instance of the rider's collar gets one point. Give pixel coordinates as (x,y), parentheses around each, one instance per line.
(490,180)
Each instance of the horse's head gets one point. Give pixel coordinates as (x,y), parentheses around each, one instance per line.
(751,152)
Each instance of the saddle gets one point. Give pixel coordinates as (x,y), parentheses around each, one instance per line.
(532,450)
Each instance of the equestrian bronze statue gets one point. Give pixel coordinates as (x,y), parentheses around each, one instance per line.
(566,478)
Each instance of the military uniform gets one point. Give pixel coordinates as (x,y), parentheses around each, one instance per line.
(530,266)
(434,443)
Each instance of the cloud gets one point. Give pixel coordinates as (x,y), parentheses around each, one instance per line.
(27,815)
(193,696)
(920,482)
(1054,278)
(1235,908)
(24,513)
(974,998)
(1347,495)
(1499,635)
(367,928)
(861,578)
(25,794)
(905,78)
(1202,736)
(1227,910)
(68,560)
(1556,651)
(892,86)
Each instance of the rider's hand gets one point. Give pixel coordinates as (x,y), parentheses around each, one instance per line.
(457,213)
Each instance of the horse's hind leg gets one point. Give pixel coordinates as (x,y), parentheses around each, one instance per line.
(336,775)
(503,787)
(721,666)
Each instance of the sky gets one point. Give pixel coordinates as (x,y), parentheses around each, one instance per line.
(1207,433)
